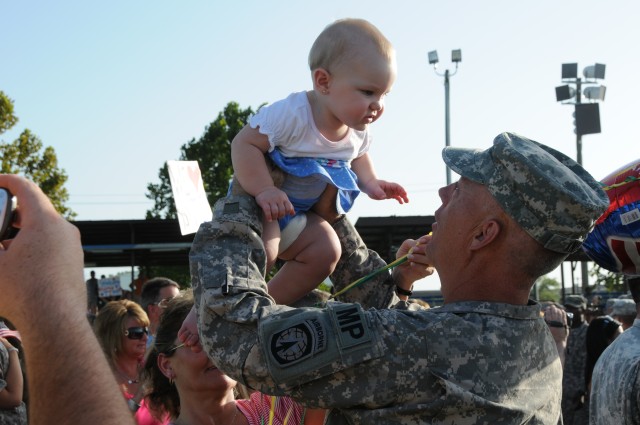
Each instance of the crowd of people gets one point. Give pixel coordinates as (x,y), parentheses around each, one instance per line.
(237,351)
(588,335)
(323,365)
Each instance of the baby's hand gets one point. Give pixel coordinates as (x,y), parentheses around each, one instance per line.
(188,333)
(275,203)
(381,189)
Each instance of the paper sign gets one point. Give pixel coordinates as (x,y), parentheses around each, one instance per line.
(109,287)
(188,192)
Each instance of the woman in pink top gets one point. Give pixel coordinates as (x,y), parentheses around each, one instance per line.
(122,329)
(189,387)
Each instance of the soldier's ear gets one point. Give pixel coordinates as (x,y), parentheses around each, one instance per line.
(484,234)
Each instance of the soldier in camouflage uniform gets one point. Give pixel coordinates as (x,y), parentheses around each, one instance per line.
(624,311)
(615,383)
(485,357)
(573,381)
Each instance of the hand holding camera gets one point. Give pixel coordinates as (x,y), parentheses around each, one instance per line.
(7,206)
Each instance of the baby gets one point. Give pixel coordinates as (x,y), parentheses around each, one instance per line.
(317,137)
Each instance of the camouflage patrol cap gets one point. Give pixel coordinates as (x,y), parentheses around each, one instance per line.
(577,301)
(608,306)
(624,307)
(548,194)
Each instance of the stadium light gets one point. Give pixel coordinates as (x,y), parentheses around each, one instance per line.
(456,57)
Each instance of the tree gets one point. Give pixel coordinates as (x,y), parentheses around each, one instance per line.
(179,274)
(7,117)
(614,282)
(26,156)
(213,153)
(547,289)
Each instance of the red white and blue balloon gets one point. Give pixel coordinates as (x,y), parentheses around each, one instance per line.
(614,243)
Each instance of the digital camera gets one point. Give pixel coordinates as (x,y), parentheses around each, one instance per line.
(569,319)
(7,205)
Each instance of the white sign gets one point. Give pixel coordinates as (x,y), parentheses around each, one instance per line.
(109,287)
(188,192)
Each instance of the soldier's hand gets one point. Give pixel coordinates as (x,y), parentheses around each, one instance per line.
(416,267)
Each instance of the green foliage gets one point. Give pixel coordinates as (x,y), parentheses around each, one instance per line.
(548,289)
(213,153)
(324,287)
(27,156)
(614,282)
(7,117)
(180,274)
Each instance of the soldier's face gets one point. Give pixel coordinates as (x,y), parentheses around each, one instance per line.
(464,206)
(456,217)
(195,372)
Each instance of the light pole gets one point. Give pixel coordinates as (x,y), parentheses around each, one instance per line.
(586,115)
(456,57)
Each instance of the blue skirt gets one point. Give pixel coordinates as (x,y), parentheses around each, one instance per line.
(310,173)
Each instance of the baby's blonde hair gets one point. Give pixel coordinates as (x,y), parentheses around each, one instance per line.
(346,39)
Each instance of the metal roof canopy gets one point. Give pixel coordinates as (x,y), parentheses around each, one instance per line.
(122,243)
(385,234)
(131,243)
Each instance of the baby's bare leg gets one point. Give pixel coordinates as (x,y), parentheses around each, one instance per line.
(309,260)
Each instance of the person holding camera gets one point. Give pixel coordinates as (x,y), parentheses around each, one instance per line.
(573,382)
(43,266)
(559,322)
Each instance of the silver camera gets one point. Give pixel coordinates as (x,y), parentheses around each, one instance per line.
(7,205)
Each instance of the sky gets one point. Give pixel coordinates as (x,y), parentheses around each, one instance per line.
(116,88)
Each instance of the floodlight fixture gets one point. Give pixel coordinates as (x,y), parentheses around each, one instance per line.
(595,92)
(456,56)
(433,57)
(594,71)
(587,118)
(565,92)
(569,70)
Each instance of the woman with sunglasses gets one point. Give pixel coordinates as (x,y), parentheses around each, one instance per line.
(122,330)
(188,386)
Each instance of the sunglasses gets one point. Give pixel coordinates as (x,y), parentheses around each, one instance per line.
(136,332)
(164,303)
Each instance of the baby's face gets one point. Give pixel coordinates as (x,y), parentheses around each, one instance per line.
(358,89)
